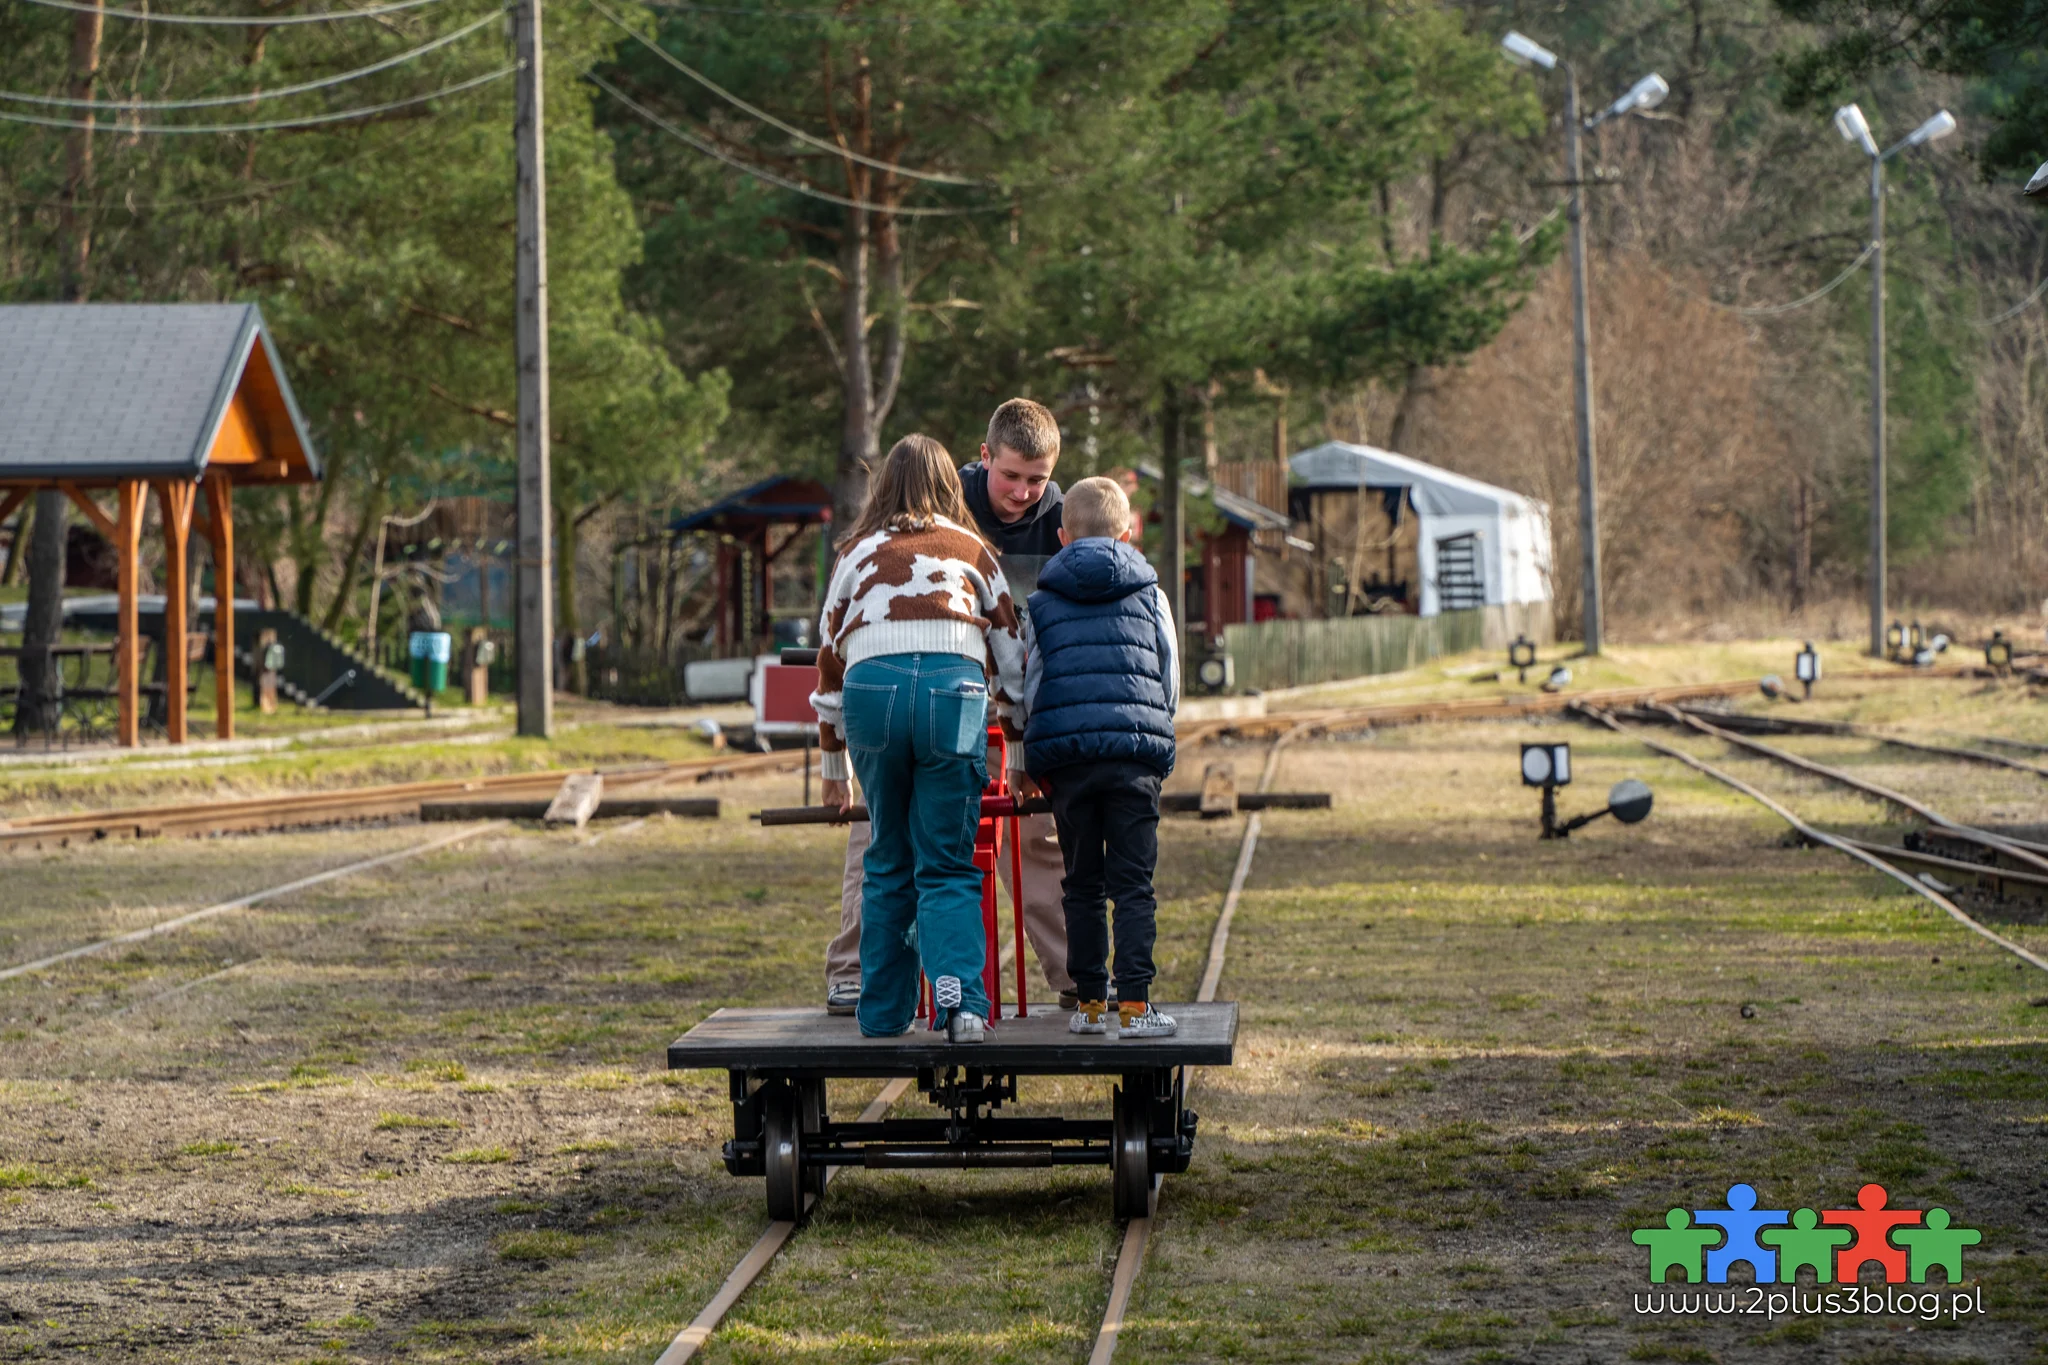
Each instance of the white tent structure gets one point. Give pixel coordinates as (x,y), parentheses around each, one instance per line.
(1480,546)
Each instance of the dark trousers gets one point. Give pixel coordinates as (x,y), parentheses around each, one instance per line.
(1108,819)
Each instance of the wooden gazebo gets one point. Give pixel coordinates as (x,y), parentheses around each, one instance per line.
(188,401)
(744,523)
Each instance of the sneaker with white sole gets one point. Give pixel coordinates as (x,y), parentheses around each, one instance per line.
(1071,1000)
(843,998)
(963,1026)
(1139,1020)
(1090,1016)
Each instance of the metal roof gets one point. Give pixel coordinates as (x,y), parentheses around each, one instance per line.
(1236,508)
(134,390)
(1436,491)
(777,499)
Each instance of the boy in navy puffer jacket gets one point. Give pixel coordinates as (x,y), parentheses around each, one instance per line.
(1100,690)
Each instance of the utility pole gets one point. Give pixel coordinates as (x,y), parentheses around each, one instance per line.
(76,216)
(1877,475)
(536,616)
(1645,94)
(1582,372)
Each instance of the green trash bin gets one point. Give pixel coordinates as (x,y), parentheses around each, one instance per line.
(430,651)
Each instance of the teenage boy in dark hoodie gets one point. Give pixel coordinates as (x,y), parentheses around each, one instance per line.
(1016,506)
(1100,690)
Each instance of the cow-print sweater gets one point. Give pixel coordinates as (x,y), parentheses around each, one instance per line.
(916,587)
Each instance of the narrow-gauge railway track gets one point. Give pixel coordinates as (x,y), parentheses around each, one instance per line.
(1137,1231)
(1344,719)
(2032,856)
(403,800)
(1745,723)
(242,902)
(1881,858)
(394,801)
(1130,1258)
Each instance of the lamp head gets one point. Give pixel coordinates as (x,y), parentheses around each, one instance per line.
(1853,127)
(1629,799)
(1936,128)
(1528,51)
(1546,765)
(1647,93)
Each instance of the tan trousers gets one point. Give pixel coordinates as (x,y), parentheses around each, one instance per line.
(1045,921)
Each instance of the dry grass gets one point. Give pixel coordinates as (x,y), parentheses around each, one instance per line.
(1471,1062)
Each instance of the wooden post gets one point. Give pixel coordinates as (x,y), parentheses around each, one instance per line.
(220,517)
(174,501)
(476,661)
(264,677)
(536,615)
(128,653)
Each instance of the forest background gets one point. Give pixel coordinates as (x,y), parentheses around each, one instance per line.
(782,237)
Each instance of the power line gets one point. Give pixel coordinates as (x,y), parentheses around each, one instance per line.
(2022,306)
(252,191)
(759,173)
(936,177)
(309,121)
(235,20)
(117,107)
(964,21)
(1771,310)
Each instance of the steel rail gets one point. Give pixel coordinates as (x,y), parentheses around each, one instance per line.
(242,902)
(2017,850)
(336,807)
(1742,721)
(1130,1256)
(1338,720)
(1819,836)
(752,1266)
(1131,1252)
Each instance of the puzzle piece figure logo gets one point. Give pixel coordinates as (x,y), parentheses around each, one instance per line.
(1834,1243)
(1742,1218)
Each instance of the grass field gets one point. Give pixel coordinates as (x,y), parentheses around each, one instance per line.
(420,1115)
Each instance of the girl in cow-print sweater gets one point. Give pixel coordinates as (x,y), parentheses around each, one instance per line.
(920,641)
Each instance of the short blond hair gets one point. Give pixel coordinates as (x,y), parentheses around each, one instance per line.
(1095,507)
(1026,427)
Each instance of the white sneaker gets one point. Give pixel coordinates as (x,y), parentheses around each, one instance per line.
(1089,1017)
(963,1026)
(843,998)
(1143,1021)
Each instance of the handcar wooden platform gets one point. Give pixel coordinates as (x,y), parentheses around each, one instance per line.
(780,1060)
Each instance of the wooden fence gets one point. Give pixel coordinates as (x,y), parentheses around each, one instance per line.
(1275,654)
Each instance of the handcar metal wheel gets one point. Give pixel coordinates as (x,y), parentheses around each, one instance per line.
(1134,1190)
(811,1119)
(782,1154)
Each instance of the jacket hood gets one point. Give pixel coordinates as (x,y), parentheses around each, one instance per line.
(1097,570)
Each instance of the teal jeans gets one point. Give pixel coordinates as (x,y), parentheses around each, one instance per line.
(916,735)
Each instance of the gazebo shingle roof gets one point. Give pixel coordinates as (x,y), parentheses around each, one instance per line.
(139,391)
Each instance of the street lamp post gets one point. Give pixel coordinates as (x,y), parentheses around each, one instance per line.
(1646,93)
(1849,121)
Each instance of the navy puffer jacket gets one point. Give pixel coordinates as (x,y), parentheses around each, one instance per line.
(1104,676)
